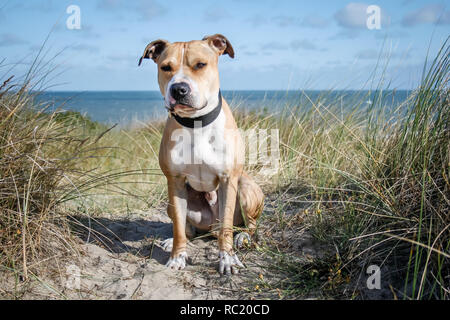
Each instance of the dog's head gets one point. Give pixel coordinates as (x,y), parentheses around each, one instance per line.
(188,75)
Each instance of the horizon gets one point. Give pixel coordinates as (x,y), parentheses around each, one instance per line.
(125,107)
(280,46)
(227,90)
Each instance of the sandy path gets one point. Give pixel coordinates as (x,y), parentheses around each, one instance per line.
(122,259)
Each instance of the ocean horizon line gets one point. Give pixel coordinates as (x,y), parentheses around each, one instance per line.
(114,106)
(239,90)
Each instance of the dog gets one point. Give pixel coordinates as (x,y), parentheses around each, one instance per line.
(202,151)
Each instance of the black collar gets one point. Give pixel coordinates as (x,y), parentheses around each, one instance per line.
(204,119)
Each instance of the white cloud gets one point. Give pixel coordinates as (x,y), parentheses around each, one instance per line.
(314,21)
(286,21)
(299,44)
(86,48)
(146,9)
(42,6)
(346,34)
(368,54)
(354,16)
(9,39)
(303,44)
(309,21)
(273,45)
(108,4)
(432,13)
(257,20)
(372,54)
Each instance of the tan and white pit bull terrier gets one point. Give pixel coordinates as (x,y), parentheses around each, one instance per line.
(202,152)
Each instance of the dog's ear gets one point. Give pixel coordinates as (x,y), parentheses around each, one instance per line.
(153,50)
(220,43)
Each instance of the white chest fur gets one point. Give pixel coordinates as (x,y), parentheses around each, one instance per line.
(202,155)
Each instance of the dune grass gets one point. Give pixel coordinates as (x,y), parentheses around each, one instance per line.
(44,179)
(39,170)
(376,183)
(370,183)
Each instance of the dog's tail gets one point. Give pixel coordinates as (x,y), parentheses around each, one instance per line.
(251,200)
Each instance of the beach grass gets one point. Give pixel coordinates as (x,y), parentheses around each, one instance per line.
(40,156)
(375,183)
(369,183)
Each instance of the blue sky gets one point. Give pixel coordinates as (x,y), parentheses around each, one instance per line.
(278,44)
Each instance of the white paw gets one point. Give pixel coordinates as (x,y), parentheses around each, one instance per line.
(211,197)
(167,244)
(229,263)
(242,239)
(178,262)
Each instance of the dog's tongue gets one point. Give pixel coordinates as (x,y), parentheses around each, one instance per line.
(181,106)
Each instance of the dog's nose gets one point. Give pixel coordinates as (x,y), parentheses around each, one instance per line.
(179,90)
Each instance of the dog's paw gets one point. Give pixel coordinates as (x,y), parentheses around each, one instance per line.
(241,240)
(211,197)
(178,262)
(229,263)
(167,244)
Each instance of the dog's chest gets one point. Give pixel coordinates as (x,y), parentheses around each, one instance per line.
(201,154)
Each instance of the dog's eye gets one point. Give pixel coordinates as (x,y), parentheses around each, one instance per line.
(199,65)
(166,68)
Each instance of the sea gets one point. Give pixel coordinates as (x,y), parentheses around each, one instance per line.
(125,107)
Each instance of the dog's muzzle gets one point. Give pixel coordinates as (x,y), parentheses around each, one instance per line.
(181,93)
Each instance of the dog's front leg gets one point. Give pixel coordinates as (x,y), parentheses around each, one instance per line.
(177,210)
(228,260)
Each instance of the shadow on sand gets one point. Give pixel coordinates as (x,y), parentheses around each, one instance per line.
(138,237)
